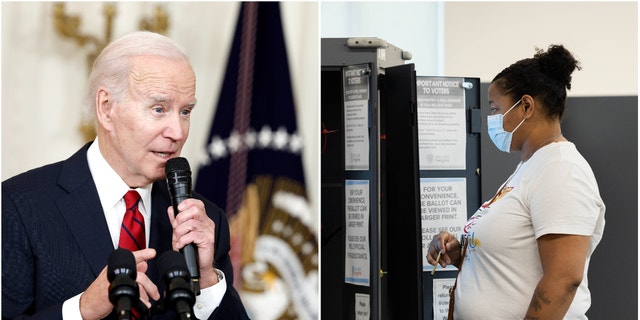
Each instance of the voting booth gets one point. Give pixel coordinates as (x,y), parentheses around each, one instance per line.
(400,160)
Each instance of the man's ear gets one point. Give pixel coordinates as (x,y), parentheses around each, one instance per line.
(104,108)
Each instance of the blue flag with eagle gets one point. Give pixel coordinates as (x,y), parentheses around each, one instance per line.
(252,166)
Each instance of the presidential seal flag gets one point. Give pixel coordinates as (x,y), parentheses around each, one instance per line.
(252,166)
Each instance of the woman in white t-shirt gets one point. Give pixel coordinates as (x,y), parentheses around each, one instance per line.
(528,248)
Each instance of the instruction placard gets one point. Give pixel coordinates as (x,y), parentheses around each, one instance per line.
(357,255)
(443,205)
(356,117)
(441,297)
(442,129)
(363,308)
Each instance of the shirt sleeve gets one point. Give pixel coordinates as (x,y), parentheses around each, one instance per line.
(210,298)
(563,200)
(71,308)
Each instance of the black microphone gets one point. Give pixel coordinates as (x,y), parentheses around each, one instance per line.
(179,180)
(179,294)
(123,290)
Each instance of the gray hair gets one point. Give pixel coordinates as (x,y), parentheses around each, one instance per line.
(111,68)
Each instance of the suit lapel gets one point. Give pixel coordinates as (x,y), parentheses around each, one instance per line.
(161,230)
(160,237)
(82,211)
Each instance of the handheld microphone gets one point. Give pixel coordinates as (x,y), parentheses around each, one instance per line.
(123,290)
(178,175)
(179,294)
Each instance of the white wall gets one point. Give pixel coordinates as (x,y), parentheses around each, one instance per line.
(43,74)
(479,39)
(482,38)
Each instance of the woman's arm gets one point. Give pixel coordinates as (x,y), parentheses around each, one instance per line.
(563,258)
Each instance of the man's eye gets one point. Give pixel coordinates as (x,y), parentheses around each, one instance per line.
(158,109)
(186,112)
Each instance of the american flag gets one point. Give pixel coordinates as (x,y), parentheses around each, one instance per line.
(252,167)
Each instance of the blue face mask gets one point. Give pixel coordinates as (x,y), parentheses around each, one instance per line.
(501,138)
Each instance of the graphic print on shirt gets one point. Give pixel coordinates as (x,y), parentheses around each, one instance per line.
(504,190)
(472,240)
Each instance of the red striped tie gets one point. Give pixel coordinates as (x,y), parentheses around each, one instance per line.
(132,230)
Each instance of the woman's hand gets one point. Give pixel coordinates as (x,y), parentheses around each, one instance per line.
(448,246)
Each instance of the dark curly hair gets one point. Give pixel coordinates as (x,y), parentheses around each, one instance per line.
(546,76)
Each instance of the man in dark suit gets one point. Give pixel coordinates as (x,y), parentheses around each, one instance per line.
(60,222)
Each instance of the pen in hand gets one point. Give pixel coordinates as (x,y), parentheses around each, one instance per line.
(435,265)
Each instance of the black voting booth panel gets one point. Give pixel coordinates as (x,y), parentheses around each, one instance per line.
(398,288)
(401,250)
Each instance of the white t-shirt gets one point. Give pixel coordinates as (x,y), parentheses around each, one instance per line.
(554,192)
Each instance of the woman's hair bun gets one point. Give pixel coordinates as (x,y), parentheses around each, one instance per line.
(558,63)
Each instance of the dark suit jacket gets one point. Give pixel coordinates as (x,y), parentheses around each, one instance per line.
(55,240)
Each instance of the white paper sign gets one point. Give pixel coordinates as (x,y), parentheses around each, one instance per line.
(363,310)
(443,205)
(441,297)
(357,255)
(356,117)
(442,125)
